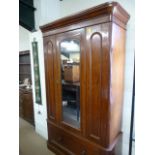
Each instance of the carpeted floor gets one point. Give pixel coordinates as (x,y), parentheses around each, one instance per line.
(30,143)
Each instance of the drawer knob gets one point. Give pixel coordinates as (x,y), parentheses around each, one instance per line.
(83,152)
(59,139)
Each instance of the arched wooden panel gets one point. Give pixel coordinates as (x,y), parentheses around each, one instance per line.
(50,78)
(95,67)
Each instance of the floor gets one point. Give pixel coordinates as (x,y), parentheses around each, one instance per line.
(30,143)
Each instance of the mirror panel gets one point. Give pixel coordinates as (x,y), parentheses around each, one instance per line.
(70,81)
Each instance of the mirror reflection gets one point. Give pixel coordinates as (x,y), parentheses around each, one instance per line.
(70,74)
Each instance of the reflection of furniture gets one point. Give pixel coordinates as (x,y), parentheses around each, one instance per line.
(26,105)
(71,73)
(101,33)
(74,89)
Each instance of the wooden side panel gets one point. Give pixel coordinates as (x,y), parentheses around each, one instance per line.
(117,80)
(49,52)
(97,81)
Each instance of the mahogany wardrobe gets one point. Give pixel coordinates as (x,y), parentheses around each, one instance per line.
(84,69)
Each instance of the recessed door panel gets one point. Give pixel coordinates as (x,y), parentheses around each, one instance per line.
(49,48)
(97,84)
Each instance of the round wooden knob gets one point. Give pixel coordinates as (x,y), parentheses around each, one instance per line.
(83,152)
(59,139)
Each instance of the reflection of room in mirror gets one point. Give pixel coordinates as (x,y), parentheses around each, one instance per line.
(70,66)
(70,50)
(70,45)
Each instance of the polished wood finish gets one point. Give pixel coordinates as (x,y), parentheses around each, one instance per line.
(101,32)
(50,71)
(112,9)
(97,81)
(116,82)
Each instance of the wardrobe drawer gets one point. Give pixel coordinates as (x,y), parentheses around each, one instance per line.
(70,144)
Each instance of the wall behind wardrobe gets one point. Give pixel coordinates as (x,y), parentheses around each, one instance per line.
(46,11)
(23,39)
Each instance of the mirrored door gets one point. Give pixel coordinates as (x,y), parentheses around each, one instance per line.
(70,81)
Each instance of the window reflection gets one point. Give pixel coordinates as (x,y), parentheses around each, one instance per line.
(70,74)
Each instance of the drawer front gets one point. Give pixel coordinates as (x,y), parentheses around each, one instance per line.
(70,144)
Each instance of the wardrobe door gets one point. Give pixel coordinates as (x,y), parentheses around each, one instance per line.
(97,81)
(71,79)
(50,71)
